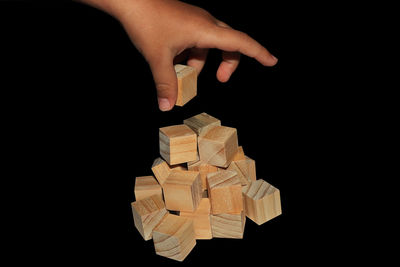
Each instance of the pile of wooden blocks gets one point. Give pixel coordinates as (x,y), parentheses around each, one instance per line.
(204,186)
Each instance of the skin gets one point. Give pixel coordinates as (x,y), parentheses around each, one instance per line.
(168,31)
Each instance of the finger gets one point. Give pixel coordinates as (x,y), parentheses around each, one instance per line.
(165,80)
(197,58)
(231,40)
(181,57)
(230,61)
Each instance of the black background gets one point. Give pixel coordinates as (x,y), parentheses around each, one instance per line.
(87,98)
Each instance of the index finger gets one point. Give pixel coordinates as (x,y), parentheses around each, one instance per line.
(231,40)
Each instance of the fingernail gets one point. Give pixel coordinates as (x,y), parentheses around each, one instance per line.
(274,57)
(163,104)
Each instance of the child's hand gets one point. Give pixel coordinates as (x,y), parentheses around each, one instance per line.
(164,29)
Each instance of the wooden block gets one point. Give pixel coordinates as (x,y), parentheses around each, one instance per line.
(252,168)
(202,123)
(178,144)
(182,190)
(201,219)
(205,194)
(218,146)
(228,225)
(225,192)
(245,168)
(187,83)
(162,169)
(147,213)
(204,169)
(146,186)
(239,155)
(262,201)
(174,237)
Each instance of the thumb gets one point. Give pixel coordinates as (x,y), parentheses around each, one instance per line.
(165,80)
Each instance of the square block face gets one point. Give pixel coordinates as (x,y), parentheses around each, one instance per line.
(174,237)
(225,192)
(228,225)
(262,201)
(146,186)
(162,169)
(147,213)
(182,190)
(218,146)
(187,83)
(202,123)
(178,144)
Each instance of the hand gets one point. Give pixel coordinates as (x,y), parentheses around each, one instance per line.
(164,30)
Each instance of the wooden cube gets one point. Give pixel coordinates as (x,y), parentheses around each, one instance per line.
(174,237)
(225,192)
(162,169)
(245,168)
(218,146)
(147,213)
(146,186)
(182,190)
(239,155)
(262,201)
(178,144)
(202,123)
(201,219)
(187,83)
(228,225)
(203,168)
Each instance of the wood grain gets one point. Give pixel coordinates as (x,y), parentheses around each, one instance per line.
(225,192)
(147,214)
(262,201)
(201,219)
(178,144)
(174,237)
(218,146)
(183,190)
(187,83)
(146,186)
(161,169)
(202,123)
(203,168)
(228,225)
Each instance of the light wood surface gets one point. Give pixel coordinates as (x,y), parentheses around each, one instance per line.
(218,146)
(174,237)
(146,186)
(161,169)
(147,214)
(201,219)
(178,144)
(262,201)
(187,83)
(225,192)
(203,168)
(183,190)
(202,123)
(228,225)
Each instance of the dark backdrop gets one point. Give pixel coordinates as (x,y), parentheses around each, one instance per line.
(87,97)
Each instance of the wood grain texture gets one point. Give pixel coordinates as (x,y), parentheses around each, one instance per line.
(147,214)
(161,169)
(203,168)
(202,123)
(146,186)
(178,144)
(245,169)
(174,237)
(225,192)
(187,83)
(239,155)
(262,201)
(182,190)
(218,146)
(228,225)
(201,219)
